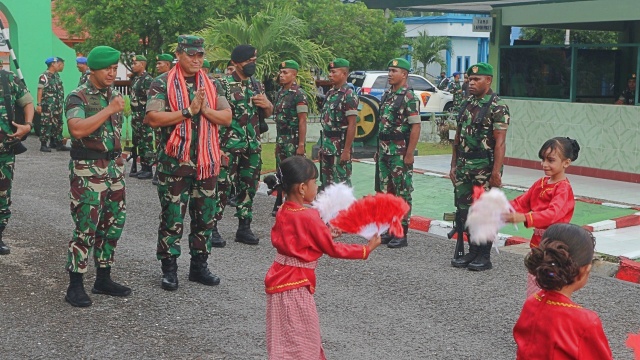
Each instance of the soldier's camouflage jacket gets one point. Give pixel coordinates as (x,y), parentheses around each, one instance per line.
(157,101)
(48,82)
(84,77)
(458,96)
(20,96)
(289,103)
(139,86)
(398,111)
(82,103)
(243,135)
(338,104)
(59,91)
(478,136)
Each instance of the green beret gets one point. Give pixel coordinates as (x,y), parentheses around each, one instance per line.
(399,63)
(139,58)
(164,57)
(206,64)
(102,57)
(339,63)
(190,44)
(289,64)
(480,69)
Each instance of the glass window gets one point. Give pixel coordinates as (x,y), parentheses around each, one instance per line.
(459,64)
(381,82)
(596,75)
(420,84)
(356,78)
(535,72)
(467,62)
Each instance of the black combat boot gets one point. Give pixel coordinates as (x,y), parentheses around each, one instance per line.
(60,146)
(277,204)
(483,260)
(155,181)
(199,271)
(4,249)
(76,296)
(44,147)
(52,143)
(464,261)
(244,233)
(398,242)
(104,285)
(169,273)
(146,172)
(386,237)
(216,240)
(134,169)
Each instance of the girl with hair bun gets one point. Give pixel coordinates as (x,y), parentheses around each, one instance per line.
(301,238)
(551,326)
(550,199)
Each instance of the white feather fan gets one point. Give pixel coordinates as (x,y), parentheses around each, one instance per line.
(332,200)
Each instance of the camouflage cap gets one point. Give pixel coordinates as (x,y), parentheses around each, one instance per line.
(399,63)
(190,44)
(480,69)
(102,57)
(289,64)
(206,64)
(339,63)
(164,57)
(139,58)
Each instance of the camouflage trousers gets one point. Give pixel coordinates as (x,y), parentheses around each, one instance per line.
(142,136)
(286,146)
(333,171)
(175,193)
(395,177)
(50,124)
(7,164)
(468,174)
(98,210)
(239,179)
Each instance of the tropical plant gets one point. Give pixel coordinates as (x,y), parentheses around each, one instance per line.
(278,35)
(428,49)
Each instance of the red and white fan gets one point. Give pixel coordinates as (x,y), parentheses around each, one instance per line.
(485,214)
(373,215)
(333,199)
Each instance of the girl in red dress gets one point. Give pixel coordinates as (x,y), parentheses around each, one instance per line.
(551,326)
(550,200)
(301,237)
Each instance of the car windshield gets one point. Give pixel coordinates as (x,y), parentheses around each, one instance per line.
(356,78)
(382,82)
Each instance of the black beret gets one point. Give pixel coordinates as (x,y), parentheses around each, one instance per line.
(243,53)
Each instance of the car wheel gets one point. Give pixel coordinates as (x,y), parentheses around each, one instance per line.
(368,118)
(448,107)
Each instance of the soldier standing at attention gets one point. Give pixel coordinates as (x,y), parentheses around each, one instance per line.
(81,63)
(57,138)
(290,115)
(338,116)
(163,65)
(241,144)
(46,105)
(478,154)
(9,142)
(94,117)
(397,139)
(456,90)
(188,106)
(142,133)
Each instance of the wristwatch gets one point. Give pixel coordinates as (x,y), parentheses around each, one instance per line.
(187,113)
(29,123)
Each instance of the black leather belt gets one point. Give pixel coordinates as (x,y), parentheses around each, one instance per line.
(389,137)
(86,154)
(473,155)
(333,134)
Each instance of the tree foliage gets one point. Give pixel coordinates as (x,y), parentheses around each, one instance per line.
(131,26)
(277,34)
(557,36)
(428,49)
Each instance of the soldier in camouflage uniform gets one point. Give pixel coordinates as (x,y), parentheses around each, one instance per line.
(478,155)
(290,115)
(81,62)
(142,133)
(187,167)
(47,105)
(456,89)
(397,139)
(338,115)
(163,65)
(97,192)
(240,175)
(10,133)
(57,141)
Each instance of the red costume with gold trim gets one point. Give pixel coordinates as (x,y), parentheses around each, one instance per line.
(551,326)
(545,204)
(301,234)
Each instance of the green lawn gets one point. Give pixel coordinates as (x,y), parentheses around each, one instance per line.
(269,159)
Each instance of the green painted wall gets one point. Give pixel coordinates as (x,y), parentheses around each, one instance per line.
(33,40)
(571,12)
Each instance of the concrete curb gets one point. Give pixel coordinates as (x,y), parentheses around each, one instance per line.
(617,223)
(625,269)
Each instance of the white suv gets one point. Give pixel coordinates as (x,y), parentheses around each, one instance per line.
(374,83)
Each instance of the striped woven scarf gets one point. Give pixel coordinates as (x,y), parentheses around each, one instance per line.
(208,146)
